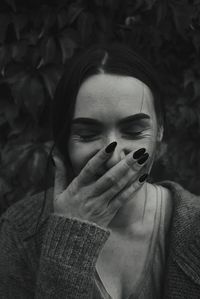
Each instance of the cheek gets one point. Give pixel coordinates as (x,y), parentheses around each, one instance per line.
(80,154)
(148,141)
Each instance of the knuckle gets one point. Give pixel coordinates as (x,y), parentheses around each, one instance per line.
(115,204)
(90,168)
(111,180)
(127,163)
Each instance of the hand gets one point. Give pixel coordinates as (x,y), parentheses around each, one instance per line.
(97,201)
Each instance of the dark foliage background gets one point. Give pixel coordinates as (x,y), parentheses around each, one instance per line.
(37,38)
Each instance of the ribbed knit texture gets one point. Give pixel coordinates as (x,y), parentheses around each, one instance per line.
(68,252)
(60,262)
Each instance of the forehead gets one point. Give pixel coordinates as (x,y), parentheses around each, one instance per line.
(120,96)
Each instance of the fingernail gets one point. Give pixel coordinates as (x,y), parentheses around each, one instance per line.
(143,158)
(139,153)
(111,147)
(143,177)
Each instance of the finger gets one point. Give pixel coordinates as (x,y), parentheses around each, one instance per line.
(116,178)
(60,180)
(96,165)
(127,193)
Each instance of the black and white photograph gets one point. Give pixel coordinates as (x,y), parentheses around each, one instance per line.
(99,149)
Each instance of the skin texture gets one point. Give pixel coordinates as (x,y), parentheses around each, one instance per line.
(110,99)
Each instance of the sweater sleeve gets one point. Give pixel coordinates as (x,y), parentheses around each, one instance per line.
(69,251)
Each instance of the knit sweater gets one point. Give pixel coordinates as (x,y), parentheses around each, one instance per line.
(60,262)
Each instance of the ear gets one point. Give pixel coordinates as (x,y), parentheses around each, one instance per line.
(160,133)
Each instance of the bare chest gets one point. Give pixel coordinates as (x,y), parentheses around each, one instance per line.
(124,259)
(120,265)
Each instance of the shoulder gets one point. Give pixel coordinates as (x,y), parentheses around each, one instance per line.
(181,196)
(24,214)
(185,209)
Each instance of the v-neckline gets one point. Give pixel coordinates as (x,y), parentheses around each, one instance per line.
(149,258)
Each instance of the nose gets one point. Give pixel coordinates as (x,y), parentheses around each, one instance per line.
(118,154)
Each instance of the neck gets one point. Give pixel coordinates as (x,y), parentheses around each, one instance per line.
(134,210)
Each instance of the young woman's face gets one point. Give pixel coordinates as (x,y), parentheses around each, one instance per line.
(112,108)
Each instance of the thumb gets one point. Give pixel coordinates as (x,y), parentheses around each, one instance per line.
(60,180)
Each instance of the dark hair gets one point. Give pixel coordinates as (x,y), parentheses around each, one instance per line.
(111,58)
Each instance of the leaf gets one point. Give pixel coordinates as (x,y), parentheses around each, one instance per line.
(182,14)
(50,75)
(62,18)
(36,165)
(5,20)
(73,12)
(9,110)
(161,11)
(5,187)
(18,127)
(17,86)
(31,37)
(5,55)
(11,3)
(19,50)
(188,77)
(19,22)
(67,44)
(13,156)
(33,57)
(33,96)
(48,18)
(196,41)
(48,50)
(196,85)
(85,25)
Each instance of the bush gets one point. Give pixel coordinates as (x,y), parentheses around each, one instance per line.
(37,38)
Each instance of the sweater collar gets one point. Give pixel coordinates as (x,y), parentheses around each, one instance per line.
(184,231)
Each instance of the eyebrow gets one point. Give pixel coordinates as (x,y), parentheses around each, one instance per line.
(92,121)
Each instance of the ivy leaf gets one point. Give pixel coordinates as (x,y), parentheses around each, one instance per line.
(9,110)
(196,41)
(196,85)
(149,4)
(48,49)
(85,25)
(5,20)
(161,11)
(182,14)
(73,12)
(62,18)
(188,77)
(5,55)
(67,45)
(19,22)
(49,18)
(50,75)
(9,154)
(17,86)
(18,50)
(33,57)
(36,165)
(33,96)
(12,4)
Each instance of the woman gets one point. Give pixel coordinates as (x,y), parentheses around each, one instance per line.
(105,231)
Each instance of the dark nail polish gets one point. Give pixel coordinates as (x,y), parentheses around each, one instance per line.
(139,153)
(111,147)
(143,177)
(143,158)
